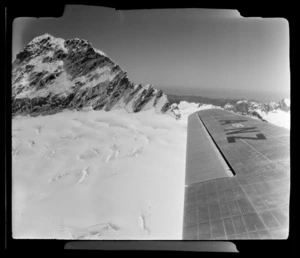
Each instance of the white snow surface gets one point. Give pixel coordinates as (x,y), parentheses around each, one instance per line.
(100,52)
(187,108)
(287,102)
(98,175)
(277,117)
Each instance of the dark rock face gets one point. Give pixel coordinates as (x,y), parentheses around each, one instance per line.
(145,97)
(53,74)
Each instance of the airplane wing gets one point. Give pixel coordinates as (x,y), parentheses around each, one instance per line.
(237,183)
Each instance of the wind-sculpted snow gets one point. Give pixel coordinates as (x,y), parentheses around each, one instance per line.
(91,232)
(94,175)
(52,74)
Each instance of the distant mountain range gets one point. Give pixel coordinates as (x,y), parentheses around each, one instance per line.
(269,112)
(232,104)
(199,99)
(52,74)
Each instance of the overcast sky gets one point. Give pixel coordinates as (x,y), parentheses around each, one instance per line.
(214,53)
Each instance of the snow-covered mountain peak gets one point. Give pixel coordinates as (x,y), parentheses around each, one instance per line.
(100,52)
(42,37)
(228,106)
(46,39)
(285,102)
(51,74)
(274,112)
(242,101)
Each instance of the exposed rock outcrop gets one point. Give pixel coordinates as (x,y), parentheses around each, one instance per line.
(52,74)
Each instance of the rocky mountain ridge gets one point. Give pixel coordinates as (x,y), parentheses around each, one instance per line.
(273,112)
(52,74)
(256,109)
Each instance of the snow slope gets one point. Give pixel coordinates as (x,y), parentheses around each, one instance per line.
(277,117)
(97,174)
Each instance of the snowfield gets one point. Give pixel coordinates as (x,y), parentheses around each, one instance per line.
(277,117)
(99,175)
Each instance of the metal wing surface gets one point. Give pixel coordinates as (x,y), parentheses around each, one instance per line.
(237,178)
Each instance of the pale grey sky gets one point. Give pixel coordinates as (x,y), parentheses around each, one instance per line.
(214,53)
